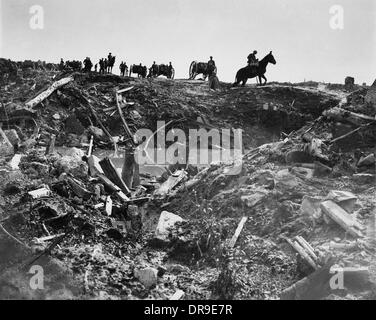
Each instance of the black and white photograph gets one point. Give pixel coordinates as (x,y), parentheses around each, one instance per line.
(187,155)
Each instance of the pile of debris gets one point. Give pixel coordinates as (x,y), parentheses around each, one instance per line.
(300,210)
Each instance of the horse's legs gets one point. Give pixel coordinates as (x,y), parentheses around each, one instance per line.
(244,82)
(266,80)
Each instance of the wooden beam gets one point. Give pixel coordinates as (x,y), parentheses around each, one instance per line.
(45,94)
(111,172)
(340,216)
(237,232)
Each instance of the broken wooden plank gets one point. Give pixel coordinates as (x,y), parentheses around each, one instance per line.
(340,216)
(109,206)
(45,94)
(351,133)
(90,151)
(307,247)
(125,90)
(237,232)
(77,189)
(171,183)
(94,166)
(49,238)
(299,249)
(111,173)
(113,187)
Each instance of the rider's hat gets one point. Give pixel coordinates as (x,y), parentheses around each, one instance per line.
(255,52)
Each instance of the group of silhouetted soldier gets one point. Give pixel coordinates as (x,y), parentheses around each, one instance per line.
(106,65)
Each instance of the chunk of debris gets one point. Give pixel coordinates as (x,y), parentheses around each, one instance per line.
(40,193)
(367,161)
(171,183)
(167,220)
(311,207)
(14,163)
(345,199)
(254,198)
(341,217)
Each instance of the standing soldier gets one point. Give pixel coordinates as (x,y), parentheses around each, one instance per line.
(61,65)
(122,69)
(211,66)
(88,64)
(170,68)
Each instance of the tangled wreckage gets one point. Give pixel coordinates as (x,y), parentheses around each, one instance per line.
(299,212)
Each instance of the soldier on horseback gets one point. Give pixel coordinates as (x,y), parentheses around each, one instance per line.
(252,60)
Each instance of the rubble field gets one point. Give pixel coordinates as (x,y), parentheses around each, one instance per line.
(295,217)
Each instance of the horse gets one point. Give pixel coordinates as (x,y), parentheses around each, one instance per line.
(161,70)
(250,72)
(140,70)
(199,67)
(110,64)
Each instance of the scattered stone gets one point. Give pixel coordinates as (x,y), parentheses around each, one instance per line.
(167,220)
(311,207)
(367,161)
(253,199)
(345,199)
(147,276)
(72,165)
(14,163)
(340,216)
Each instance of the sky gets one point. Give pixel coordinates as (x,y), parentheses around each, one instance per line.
(299,32)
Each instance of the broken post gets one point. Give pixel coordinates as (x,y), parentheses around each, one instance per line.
(237,232)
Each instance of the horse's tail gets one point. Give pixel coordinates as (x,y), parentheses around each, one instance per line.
(236,80)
